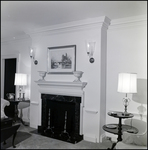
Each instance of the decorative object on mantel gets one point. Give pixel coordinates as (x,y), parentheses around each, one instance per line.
(90,48)
(127,83)
(78,75)
(62,59)
(42,74)
(32,55)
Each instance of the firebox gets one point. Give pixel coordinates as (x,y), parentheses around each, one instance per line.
(61,117)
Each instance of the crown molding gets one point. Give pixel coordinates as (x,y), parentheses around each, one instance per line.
(72,26)
(102,22)
(128,22)
(17,39)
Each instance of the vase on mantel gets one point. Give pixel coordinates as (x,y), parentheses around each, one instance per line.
(78,75)
(42,74)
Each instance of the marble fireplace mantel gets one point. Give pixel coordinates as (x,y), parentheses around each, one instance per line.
(64,88)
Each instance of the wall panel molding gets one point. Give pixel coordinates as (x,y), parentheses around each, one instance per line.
(128,22)
(92,111)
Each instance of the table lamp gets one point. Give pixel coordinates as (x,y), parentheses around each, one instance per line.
(20,80)
(127,83)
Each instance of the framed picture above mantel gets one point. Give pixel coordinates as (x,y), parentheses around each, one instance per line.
(61,59)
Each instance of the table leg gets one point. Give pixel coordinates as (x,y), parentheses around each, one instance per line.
(4,143)
(21,116)
(119,133)
(14,135)
(15,113)
(119,130)
(113,145)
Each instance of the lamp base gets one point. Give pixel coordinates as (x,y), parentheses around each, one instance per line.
(23,97)
(125,114)
(125,103)
(19,96)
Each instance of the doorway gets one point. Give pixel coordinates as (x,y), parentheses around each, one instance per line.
(9,76)
(9,66)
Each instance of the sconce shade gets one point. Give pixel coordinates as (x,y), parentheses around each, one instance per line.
(20,79)
(32,52)
(90,48)
(127,83)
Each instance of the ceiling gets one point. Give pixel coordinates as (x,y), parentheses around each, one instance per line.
(17,17)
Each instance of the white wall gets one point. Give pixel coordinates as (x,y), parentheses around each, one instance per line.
(92,73)
(126,52)
(19,49)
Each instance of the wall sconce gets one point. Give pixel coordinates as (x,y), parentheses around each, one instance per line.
(32,55)
(90,47)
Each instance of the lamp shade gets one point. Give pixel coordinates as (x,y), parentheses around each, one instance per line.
(20,79)
(127,82)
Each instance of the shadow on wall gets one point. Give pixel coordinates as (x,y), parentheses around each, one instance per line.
(141,96)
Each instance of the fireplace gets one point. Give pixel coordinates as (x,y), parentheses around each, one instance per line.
(60,117)
(61,110)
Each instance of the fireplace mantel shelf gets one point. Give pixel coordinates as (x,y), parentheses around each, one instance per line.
(66,84)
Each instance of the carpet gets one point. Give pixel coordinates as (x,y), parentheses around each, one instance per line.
(28,138)
(34,131)
(65,137)
(52,143)
(20,136)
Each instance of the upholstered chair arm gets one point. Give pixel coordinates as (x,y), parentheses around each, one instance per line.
(4,103)
(137,139)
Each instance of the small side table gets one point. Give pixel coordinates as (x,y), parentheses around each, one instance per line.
(119,128)
(8,129)
(16,103)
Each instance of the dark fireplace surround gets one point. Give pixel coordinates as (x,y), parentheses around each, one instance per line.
(60,118)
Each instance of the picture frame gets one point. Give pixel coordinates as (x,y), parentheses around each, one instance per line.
(61,59)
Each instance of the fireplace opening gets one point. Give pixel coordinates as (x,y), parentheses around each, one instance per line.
(61,117)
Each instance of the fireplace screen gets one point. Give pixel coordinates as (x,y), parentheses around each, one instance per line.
(61,117)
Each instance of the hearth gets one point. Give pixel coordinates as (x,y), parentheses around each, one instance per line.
(61,117)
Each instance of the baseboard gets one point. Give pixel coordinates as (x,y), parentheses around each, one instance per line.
(26,120)
(33,126)
(102,136)
(113,136)
(90,138)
